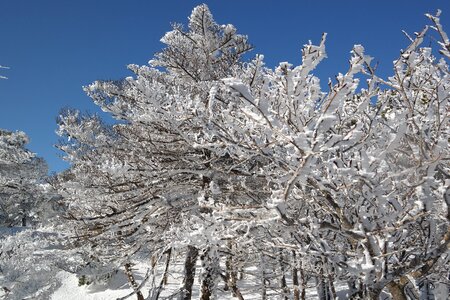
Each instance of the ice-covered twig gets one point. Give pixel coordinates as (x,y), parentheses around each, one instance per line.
(438,27)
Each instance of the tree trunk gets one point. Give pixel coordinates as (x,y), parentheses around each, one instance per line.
(189,272)
(237,293)
(231,274)
(263,279)
(209,264)
(284,286)
(322,289)
(206,289)
(164,276)
(228,268)
(295,282)
(166,270)
(133,282)
(331,286)
(303,279)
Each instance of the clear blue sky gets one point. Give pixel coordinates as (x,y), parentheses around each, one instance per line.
(54,47)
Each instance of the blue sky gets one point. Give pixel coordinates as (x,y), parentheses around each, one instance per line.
(54,47)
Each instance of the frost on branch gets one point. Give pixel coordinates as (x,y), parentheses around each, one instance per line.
(229,161)
(206,51)
(21,172)
(26,204)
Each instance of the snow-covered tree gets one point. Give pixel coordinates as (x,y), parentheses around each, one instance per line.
(359,176)
(21,174)
(142,185)
(234,162)
(27,259)
(30,259)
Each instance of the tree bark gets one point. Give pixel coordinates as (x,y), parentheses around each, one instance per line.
(322,289)
(189,272)
(332,288)
(207,283)
(263,278)
(231,275)
(228,268)
(132,281)
(165,274)
(295,282)
(166,270)
(206,291)
(303,279)
(283,284)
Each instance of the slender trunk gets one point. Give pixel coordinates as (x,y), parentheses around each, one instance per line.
(209,264)
(284,286)
(206,291)
(233,286)
(164,276)
(237,293)
(189,272)
(295,282)
(231,274)
(332,288)
(166,270)
(303,278)
(322,289)
(132,281)
(263,279)
(228,267)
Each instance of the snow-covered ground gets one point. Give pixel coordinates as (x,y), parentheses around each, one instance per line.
(70,290)
(118,286)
